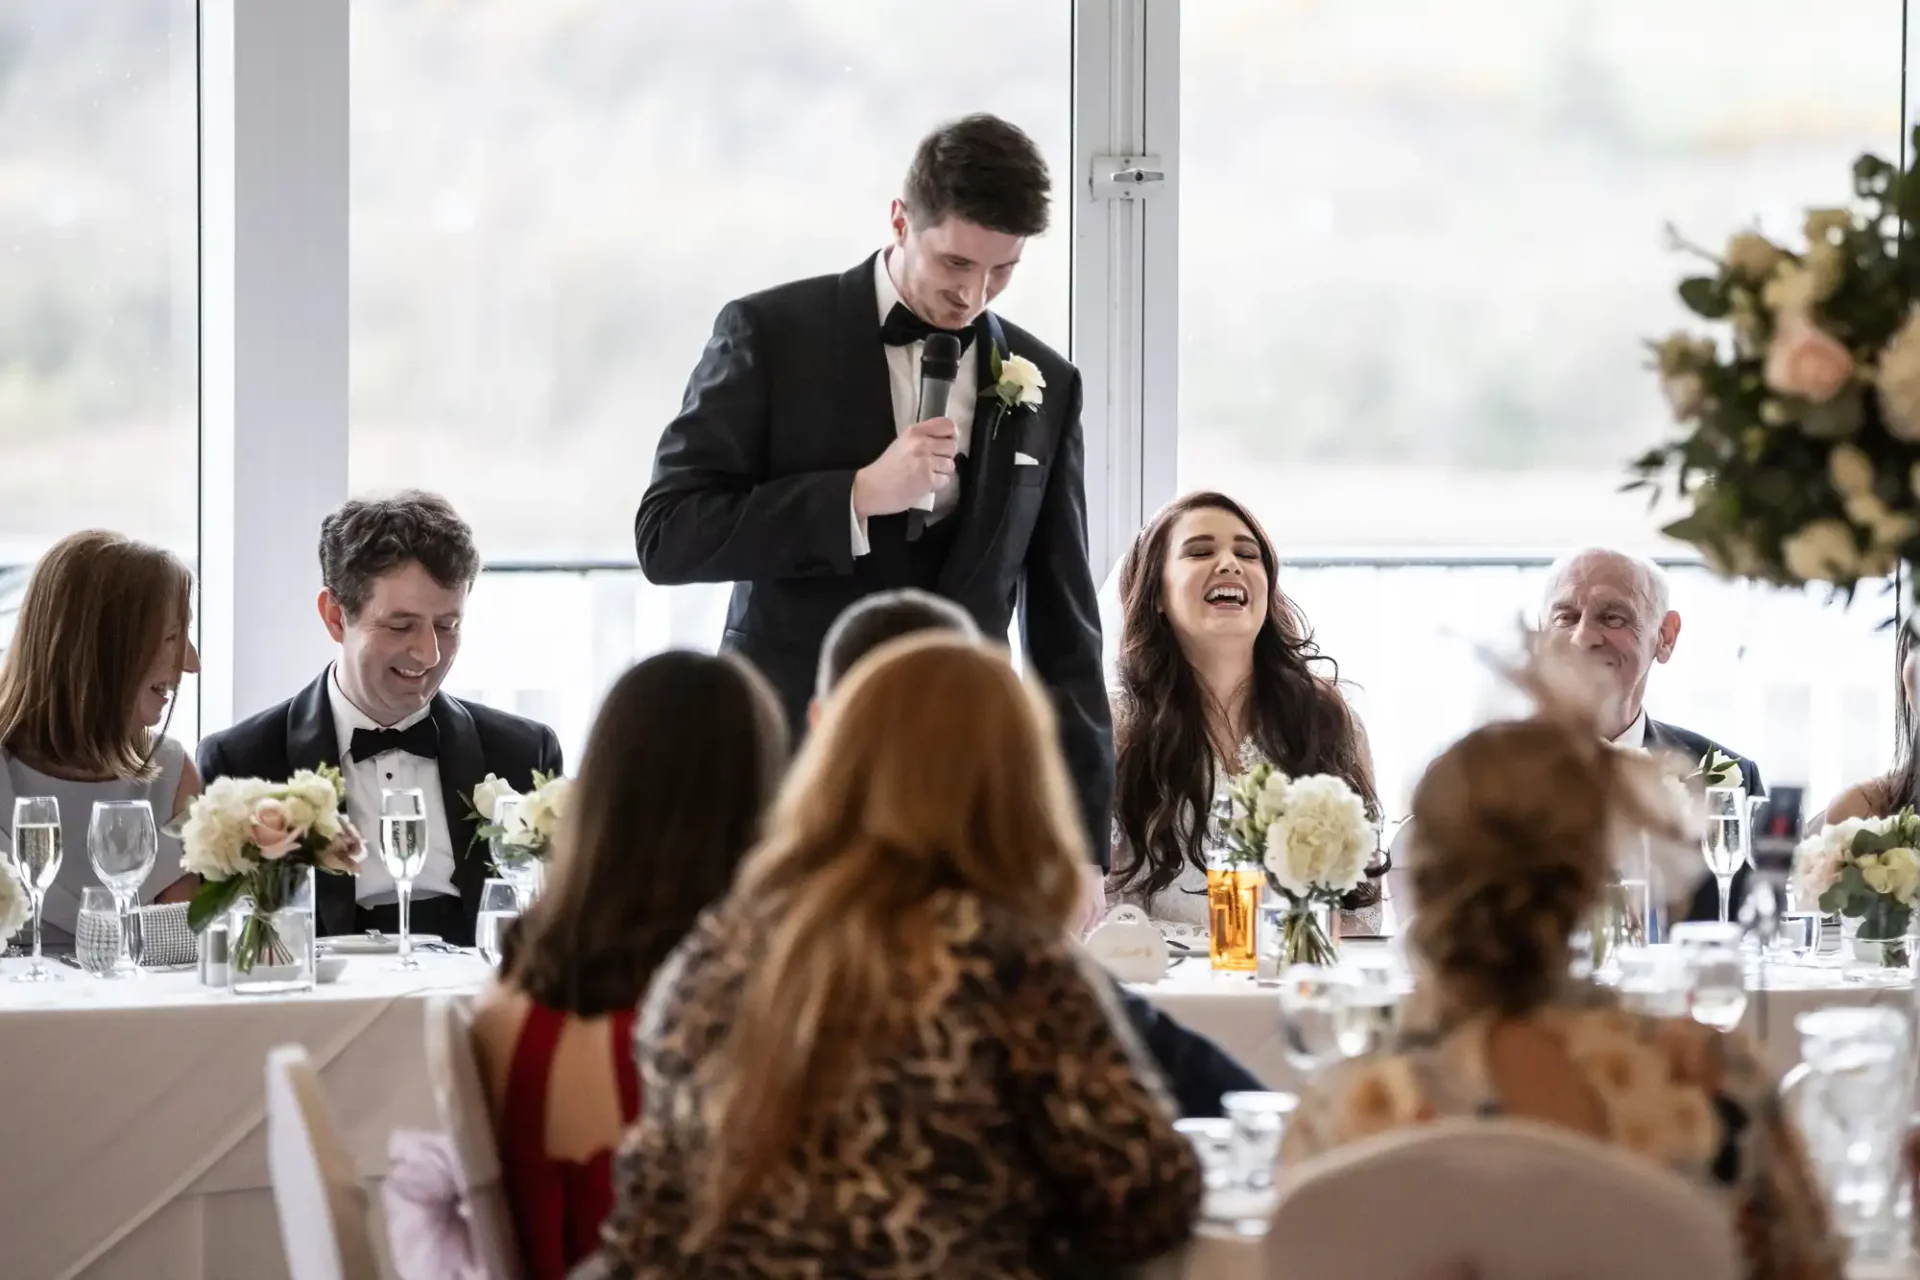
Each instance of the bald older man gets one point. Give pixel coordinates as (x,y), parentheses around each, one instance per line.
(1614,610)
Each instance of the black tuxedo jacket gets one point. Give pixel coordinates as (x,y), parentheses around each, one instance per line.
(1694,746)
(474,741)
(753,484)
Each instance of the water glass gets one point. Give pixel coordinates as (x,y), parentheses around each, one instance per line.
(1313,1002)
(36,857)
(99,942)
(1653,981)
(1716,972)
(1850,1094)
(122,844)
(1259,1120)
(403,848)
(499,907)
(1212,1139)
(517,865)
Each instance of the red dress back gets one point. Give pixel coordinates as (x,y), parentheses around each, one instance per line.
(558,1205)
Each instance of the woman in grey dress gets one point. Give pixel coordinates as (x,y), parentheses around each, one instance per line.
(1217,673)
(86,691)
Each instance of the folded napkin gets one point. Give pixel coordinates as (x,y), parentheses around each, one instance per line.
(428,1231)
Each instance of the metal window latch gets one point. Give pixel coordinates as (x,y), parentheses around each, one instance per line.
(1127,177)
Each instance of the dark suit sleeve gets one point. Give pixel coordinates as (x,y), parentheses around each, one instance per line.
(211,760)
(1060,629)
(713,512)
(1197,1069)
(552,761)
(1751,772)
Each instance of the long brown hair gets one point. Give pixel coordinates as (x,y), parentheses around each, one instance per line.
(96,613)
(933,769)
(683,759)
(1163,756)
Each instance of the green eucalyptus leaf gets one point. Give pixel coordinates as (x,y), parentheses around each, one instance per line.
(1705,297)
(211,901)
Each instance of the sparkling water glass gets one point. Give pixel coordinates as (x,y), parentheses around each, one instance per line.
(122,844)
(1724,840)
(98,940)
(36,857)
(499,907)
(403,847)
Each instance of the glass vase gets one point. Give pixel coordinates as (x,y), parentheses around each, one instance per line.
(1295,933)
(1233,909)
(270,927)
(1882,937)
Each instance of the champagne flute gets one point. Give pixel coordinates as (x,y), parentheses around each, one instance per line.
(1723,842)
(403,847)
(36,856)
(122,843)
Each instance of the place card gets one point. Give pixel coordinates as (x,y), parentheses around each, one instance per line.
(1130,946)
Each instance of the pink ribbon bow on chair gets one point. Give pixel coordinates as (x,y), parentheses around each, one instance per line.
(428,1232)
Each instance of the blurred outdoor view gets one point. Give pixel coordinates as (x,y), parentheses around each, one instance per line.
(1420,248)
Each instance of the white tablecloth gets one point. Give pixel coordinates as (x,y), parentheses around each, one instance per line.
(1243,1017)
(131,1111)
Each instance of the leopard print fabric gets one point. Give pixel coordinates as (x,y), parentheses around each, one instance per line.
(1016,1132)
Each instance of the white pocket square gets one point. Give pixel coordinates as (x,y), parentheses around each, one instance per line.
(1024,460)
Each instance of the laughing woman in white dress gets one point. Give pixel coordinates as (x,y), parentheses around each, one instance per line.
(86,691)
(1217,673)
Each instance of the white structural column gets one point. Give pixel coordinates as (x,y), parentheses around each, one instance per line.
(1125,259)
(273,305)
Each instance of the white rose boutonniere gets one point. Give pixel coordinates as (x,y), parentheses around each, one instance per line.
(1017,383)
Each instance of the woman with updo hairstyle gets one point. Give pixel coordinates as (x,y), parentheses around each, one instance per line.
(1515,827)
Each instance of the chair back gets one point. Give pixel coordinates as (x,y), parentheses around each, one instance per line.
(322,1207)
(461,1100)
(1501,1200)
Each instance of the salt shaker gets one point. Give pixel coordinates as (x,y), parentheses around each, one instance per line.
(213,954)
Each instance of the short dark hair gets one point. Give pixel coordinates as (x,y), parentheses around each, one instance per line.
(867,624)
(980,169)
(368,538)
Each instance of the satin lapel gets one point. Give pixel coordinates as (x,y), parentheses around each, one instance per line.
(462,767)
(311,741)
(989,470)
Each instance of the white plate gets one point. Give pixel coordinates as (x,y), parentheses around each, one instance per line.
(359,944)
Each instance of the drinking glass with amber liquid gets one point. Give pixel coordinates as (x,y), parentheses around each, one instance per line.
(1233,899)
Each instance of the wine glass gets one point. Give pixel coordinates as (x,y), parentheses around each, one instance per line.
(36,856)
(1723,842)
(499,906)
(99,941)
(122,843)
(515,863)
(403,847)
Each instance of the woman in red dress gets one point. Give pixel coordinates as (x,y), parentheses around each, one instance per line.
(683,757)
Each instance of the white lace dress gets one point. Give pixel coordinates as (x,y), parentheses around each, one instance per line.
(1180,909)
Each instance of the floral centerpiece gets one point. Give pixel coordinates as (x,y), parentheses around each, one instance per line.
(1799,449)
(1312,836)
(1866,869)
(519,829)
(14,905)
(253,844)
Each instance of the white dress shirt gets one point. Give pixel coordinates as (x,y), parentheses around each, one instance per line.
(903,371)
(1635,734)
(365,780)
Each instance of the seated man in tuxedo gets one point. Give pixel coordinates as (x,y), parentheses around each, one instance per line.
(394,580)
(1198,1071)
(1614,610)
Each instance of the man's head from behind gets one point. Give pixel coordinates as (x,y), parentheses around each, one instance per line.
(1614,611)
(874,621)
(394,575)
(977,188)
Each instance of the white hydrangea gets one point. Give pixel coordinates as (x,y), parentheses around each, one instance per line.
(1321,840)
(214,838)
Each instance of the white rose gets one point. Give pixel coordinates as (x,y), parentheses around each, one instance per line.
(1322,840)
(1903,874)
(316,790)
(1793,290)
(1850,470)
(300,812)
(1899,382)
(1826,264)
(1020,380)
(1821,224)
(1686,394)
(1272,798)
(214,838)
(489,793)
(14,907)
(1752,255)
(1822,551)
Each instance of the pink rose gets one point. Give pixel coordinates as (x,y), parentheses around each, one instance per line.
(271,829)
(1806,362)
(344,854)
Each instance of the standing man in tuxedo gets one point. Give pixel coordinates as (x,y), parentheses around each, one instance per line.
(801,470)
(395,575)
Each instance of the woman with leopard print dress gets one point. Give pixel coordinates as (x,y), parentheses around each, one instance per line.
(881,1055)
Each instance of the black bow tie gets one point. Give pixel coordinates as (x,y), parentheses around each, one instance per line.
(903,328)
(421,740)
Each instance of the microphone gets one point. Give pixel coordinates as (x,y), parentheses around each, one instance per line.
(939,366)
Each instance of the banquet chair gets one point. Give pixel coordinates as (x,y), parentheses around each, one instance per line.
(324,1226)
(1500,1200)
(461,1101)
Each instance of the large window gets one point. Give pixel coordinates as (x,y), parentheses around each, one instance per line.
(549,205)
(1421,250)
(99,412)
